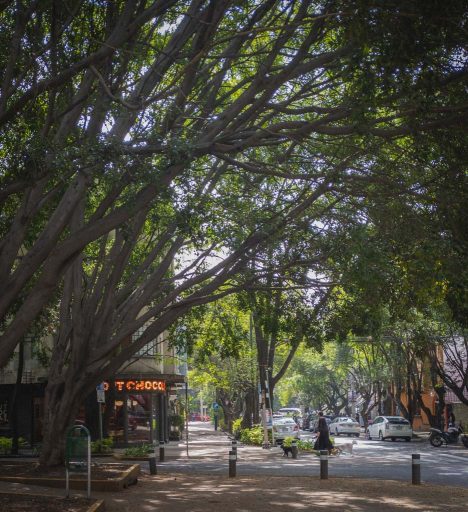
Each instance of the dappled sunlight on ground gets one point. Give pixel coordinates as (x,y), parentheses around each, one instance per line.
(214,493)
(180,493)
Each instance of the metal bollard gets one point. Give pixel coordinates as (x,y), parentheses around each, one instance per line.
(161,451)
(232,463)
(152,465)
(323,465)
(294,449)
(416,469)
(234,446)
(152,462)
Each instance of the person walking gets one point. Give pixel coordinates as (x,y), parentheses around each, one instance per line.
(323,441)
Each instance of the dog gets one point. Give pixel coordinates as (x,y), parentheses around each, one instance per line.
(287,450)
(346,447)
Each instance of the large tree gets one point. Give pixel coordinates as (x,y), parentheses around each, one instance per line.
(132,131)
(224,358)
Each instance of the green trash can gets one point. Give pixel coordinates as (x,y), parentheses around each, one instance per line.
(78,454)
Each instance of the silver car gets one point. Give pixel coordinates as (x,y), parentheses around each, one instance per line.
(390,427)
(285,427)
(344,425)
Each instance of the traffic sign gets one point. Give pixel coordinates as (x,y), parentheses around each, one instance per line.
(101,394)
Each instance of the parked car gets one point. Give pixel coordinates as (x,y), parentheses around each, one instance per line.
(314,425)
(292,412)
(393,427)
(285,427)
(345,425)
(196,416)
(308,421)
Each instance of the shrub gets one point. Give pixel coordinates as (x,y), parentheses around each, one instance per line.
(306,446)
(139,451)
(102,446)
(287,442)
(5,445)
(236,427)
(253,435)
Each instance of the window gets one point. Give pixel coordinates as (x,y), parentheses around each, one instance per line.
(150,349)
(398,421)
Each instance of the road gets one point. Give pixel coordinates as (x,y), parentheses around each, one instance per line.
(370,459)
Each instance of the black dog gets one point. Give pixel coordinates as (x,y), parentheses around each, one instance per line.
(287,450)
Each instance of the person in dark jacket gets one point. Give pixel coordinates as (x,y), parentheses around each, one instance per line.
(323,441)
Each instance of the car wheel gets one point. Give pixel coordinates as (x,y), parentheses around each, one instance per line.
(393,439)
(407,439)
(381,437)
(357,435)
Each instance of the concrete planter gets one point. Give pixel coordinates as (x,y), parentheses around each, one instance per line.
(126,478)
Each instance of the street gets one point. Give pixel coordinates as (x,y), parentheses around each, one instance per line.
(370,459)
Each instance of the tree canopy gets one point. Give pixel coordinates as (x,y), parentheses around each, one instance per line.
(150,148)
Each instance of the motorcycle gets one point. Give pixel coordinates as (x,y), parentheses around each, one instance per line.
(464,439)
(450,436)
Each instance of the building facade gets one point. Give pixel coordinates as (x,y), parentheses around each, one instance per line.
(137,405)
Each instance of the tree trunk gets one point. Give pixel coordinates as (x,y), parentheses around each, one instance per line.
(109,407)
(440,390)
(226,405)
(14,399)
(366,408)
(62,403)
(249,409)
(409,394)
(92,415)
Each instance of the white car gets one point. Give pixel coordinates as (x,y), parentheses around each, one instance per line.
(344,425)
(390,427)
(285,427)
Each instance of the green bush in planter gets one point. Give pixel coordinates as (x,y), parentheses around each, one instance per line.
(306,446)
(139,451)
(287,442)
(5,445)
(102,446)
(253,435)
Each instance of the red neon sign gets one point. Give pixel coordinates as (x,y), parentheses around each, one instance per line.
(138,385)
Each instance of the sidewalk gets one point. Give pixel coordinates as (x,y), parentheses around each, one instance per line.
(203,441)
(206,443)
